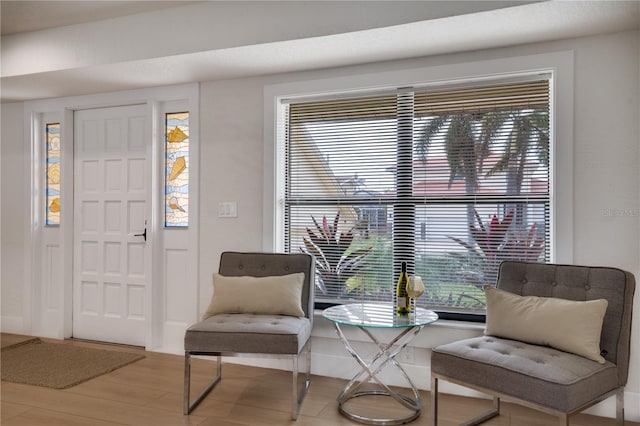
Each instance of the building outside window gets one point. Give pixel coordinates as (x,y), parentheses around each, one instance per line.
(452,179)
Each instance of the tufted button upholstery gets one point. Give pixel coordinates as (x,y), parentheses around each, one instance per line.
(510,363)
(270,333)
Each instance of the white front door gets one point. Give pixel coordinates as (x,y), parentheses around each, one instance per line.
(112,193)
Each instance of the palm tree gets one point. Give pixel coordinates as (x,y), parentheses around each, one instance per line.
(460,145)
(469,137)
(463,148)
(529,134)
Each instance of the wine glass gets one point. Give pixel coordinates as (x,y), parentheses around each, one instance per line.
(415,288)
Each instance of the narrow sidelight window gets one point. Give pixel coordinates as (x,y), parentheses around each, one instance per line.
(177,169)
(52,160)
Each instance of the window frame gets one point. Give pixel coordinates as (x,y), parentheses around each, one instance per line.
(559,65)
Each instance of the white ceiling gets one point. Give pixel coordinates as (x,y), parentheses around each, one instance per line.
(27,15)
(251,40)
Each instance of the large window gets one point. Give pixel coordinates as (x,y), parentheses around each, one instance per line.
(451,179)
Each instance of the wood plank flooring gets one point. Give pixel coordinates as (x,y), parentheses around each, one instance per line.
(149,393)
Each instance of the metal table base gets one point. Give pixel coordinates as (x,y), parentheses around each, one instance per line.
(385,357)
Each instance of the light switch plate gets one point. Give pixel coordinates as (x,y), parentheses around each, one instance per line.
(227,209)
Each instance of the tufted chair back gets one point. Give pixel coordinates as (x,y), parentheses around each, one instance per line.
(581,283)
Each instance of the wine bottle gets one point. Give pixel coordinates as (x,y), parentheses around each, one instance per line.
(402,298)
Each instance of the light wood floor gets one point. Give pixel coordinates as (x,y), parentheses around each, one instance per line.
(149,392)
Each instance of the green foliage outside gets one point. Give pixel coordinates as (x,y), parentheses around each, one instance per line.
(444,283)
(336,261)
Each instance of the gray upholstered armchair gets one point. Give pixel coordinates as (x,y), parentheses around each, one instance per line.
(276,319)
(537,375)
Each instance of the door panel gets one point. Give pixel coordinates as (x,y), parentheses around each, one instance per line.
(111,208)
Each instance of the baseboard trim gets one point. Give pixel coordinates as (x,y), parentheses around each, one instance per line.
(12,324)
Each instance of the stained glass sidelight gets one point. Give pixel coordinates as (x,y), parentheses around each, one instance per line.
(177,169)
(52,131)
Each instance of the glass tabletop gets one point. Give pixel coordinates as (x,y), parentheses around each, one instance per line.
(377,315)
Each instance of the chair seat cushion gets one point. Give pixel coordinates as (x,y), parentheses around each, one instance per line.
(538,374)
(248,333)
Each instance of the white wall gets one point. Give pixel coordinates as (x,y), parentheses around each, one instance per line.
(14,214)
(606,197)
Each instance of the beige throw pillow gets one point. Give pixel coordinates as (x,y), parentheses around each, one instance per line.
(273,295)
(568,325)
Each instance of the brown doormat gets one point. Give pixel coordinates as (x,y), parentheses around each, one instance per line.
(59,366)
(7,340)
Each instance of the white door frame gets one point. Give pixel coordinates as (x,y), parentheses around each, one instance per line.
(49,256)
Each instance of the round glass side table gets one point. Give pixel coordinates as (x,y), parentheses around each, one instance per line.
(366,317)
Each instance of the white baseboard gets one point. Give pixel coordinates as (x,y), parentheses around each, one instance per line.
(172,338)
(13,325)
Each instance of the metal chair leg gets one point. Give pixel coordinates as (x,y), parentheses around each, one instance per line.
(433,413)
(563,420)
(493,412)
(620,407)
(298,396)
(187,382)
(188,405)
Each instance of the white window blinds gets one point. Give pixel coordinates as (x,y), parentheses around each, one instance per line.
(451,180)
